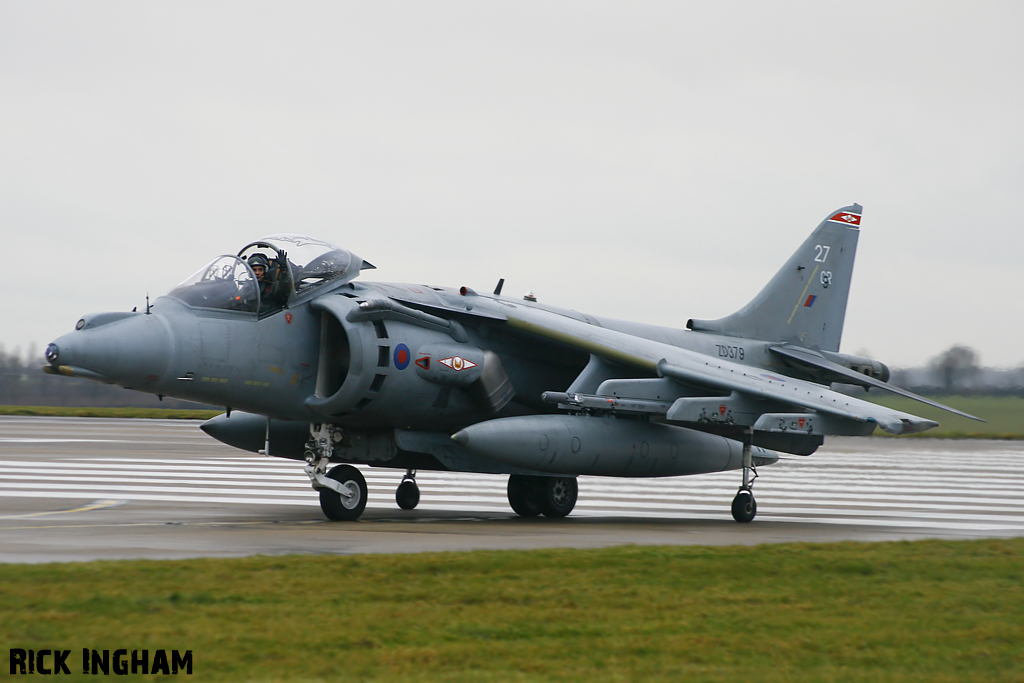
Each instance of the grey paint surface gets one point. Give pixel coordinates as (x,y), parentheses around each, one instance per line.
(172,492)
(295,338)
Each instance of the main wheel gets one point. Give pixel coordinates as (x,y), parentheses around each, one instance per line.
(523,495)
(408,495)
(557,495)
(744,507)
(337,507)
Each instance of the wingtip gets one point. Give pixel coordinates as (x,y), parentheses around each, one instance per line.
(959,412)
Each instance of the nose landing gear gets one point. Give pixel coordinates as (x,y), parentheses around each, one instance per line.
(343,490)
(340,507)
(408,494)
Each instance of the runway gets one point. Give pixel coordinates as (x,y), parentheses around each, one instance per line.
(90,488)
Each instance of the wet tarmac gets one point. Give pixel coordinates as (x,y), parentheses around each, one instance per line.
(86,488)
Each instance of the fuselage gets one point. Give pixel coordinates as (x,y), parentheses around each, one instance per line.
(270,365)
(317,361)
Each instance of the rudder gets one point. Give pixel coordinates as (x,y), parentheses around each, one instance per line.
(805,303)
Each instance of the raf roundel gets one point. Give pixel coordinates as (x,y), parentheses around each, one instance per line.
(402,356)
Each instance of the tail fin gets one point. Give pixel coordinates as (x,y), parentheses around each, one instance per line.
(805,303)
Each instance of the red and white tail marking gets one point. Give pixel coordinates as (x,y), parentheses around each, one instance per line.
(846,217)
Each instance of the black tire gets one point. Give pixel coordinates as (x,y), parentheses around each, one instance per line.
(522,495)
(408,495)
(337,508)
(557,495)
(744,507)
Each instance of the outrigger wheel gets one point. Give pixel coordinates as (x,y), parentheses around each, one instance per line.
(408,494)
(744,507)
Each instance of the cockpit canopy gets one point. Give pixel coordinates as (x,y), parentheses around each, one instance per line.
(293,265)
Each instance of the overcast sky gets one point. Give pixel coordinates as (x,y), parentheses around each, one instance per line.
(652,161)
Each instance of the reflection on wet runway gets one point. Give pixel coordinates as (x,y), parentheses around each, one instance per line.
(56,467)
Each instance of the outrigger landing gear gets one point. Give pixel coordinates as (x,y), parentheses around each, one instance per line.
(744,507)
(343,489)
(408,494)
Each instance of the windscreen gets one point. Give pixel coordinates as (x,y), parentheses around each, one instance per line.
(225,283)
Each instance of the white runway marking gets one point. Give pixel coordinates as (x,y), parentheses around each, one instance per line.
(924,485)
(31,440)
(95,505)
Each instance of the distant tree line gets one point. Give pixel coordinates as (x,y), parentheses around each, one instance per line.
(956,370)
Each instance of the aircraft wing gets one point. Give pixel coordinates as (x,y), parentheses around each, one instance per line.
(816,360)
(696,369)
(448,311)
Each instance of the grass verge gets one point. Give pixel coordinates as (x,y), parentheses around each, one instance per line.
(921,611)
(1003,415)
(151,413)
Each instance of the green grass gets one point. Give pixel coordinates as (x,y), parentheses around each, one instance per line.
(151,413)
(1003,415)
(922,611)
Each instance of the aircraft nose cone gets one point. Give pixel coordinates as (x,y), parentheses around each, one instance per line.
(131,351)
(52,354)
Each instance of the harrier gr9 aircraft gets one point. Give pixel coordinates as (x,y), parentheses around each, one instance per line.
(317,366)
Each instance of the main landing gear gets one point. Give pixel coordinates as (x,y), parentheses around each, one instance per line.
(530,496)
(408,494)
(744,507)
(343,490)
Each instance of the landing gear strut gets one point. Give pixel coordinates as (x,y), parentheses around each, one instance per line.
(342,490)
(530,496)
(408,494)
(744,507)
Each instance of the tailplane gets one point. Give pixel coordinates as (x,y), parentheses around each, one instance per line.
(805,303)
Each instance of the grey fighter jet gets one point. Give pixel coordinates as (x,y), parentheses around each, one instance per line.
(315,365)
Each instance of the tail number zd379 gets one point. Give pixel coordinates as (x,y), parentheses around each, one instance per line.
(734,352)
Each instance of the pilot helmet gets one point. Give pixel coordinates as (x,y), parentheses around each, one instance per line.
(259,260)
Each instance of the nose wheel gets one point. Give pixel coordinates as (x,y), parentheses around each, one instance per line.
(408,494)
(347,503)
(744,507)
(343,490)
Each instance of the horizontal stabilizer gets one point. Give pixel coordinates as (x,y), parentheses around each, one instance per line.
(816,360)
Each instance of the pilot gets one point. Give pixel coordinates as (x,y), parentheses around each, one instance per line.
(272,280)
(260,265)
(261,268)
